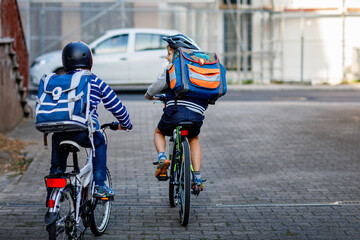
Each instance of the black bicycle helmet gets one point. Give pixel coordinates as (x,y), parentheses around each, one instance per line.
(180,40)
(76,55)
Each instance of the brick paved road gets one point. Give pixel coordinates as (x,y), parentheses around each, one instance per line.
(275,170)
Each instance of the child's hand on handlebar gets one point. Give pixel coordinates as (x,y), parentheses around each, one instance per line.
(125,129)
(160,97)
(115,126)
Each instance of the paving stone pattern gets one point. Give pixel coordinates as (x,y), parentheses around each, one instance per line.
(274,170)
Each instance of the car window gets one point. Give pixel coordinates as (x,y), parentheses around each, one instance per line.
(148,41)
(114,44)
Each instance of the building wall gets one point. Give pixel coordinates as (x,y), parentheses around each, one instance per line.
(10,102)
(13,67)
(12,27)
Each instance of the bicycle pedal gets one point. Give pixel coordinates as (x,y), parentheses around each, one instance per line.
(195,192)
(107,198)
(163,177)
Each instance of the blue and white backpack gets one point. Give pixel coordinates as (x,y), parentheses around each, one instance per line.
(63,102)
(197,74)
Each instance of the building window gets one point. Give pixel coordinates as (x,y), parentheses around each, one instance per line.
(243,58)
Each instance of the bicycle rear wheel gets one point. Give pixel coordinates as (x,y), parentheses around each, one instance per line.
(185,185)
(101,214)
(63,226)
(173,177)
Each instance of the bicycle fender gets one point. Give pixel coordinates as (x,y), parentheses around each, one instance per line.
(51,217)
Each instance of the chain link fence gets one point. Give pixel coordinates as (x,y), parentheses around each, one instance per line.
(255,45)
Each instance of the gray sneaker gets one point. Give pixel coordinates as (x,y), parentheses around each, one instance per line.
(103,191)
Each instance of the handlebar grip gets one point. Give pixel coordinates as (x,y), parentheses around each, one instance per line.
(113,126)
(162,97)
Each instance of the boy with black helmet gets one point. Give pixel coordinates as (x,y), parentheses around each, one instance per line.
(77,56)
(187,109)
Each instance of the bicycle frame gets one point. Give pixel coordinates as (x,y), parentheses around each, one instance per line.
(180,173)
(180,137)
(79,180)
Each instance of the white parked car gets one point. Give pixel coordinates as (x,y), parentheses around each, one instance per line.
(121,56)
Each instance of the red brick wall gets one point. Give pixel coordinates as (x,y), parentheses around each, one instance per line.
(11,27)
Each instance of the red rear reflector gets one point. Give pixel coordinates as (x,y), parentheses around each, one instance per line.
(184,132)
(56,182)
(51,203)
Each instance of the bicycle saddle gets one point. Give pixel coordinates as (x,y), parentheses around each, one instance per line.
(70,146)
(186,124)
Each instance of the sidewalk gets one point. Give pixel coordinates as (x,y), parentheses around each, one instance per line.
(284,170)
(249,87)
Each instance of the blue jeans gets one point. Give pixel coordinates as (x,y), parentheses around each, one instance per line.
(59,157)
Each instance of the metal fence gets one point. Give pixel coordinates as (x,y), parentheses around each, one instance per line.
(256,45)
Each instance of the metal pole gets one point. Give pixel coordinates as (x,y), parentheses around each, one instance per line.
(282,41)
(42,23)
(28,31)
(262,46)
(238,35)
(343,40)
(302,47)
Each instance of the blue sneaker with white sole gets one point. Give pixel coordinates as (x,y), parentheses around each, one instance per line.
(103,192)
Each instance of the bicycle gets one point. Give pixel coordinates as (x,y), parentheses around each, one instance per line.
(71,200)
(181,176)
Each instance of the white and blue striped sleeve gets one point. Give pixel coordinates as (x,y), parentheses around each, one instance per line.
(113,104)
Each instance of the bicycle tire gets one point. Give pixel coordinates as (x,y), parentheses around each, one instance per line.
(64,224)
(172,192)
(101,215)
(185,185)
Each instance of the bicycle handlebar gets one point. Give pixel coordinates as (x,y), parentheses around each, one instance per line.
(113,126)
(161,97)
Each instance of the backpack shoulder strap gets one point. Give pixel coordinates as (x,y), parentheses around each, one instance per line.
(47,79)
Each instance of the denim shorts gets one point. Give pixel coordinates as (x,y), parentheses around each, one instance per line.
(170,119)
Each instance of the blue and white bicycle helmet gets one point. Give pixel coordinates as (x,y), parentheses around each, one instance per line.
(180,40)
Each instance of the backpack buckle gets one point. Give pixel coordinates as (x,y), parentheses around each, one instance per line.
(56,93)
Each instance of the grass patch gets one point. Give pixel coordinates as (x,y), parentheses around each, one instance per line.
(247,82)
(277,81)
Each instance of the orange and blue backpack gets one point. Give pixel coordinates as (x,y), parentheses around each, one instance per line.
(196,74)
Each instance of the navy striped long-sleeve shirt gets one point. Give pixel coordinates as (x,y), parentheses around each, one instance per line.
(101,92)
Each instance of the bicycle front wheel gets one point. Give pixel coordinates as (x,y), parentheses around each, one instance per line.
(101,214)
(185,185)
(63,226)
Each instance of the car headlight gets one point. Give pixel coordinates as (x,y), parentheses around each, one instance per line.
(38,62)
